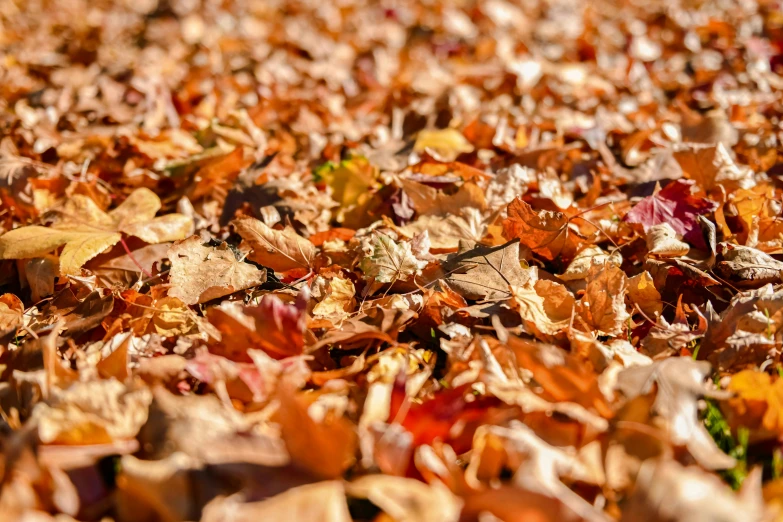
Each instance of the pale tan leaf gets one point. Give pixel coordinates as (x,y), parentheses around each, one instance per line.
(201,273)
(388,261)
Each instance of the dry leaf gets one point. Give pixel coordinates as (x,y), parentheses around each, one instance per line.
(388,261)
(546,233)
(201,273)
(280,250)
(602,307)
(86,230)
(680,383)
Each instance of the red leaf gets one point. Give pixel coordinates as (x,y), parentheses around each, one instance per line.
(675,205)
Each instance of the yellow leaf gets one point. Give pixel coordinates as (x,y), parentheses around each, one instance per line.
(642,291)
(350,180)
(759,401)
(446,144)
(86,230)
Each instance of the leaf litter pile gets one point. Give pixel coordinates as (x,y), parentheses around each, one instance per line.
(391,261)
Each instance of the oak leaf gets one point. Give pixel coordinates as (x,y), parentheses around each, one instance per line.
(86,230)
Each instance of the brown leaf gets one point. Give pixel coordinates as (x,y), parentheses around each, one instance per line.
(280,250)
(201,273)
(324,447)
(602,307)
(546,233)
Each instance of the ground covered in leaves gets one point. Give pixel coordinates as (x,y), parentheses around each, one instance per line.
(413,261)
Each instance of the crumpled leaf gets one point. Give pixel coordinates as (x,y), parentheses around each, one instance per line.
(666,339)
(676,205)
(746,330)
(643,293)
(544,306)
(543,467)
(388,261)
(680,383)
(335,296)
(201,273)
(11,313)
(86,230)
(667,491)
(662,242)
(274,326)
(96,412)
(747,267)
(319,502)
(588,257)
(280,250)
(546,233)
(602,307)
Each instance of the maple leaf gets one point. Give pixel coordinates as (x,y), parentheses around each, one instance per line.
(759,401)
(544,306)
(680,383)
(480,272)
(675,205)
(280,250)
(546,233)
(602,307)
(390,261)
(201,273)
(273,326)
(86,230)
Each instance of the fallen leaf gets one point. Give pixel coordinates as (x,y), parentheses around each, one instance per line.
(95,412)
(747,267)
(546,233)
(602,307)
(662,241)
(407,500)
(479,272)
(201,273)
(86,230)
(676,205)
(442,144)
(388,261)
(11,313)
(680,383)
(319,502)
(272,326)
(325,447)
(280,250)
(643,293)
